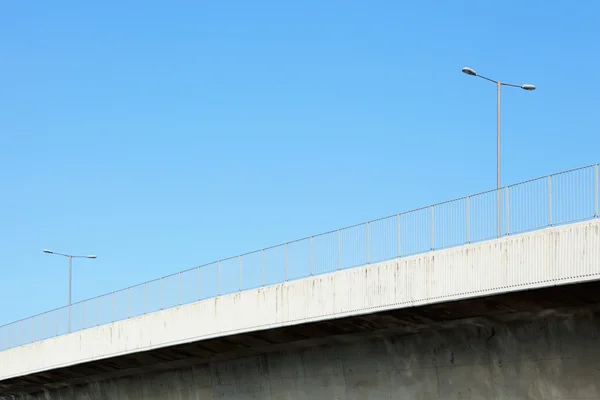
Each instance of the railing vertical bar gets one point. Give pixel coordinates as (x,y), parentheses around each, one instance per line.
(498,207)
(262,267)
(398,234)
(432,229)
(339,250)
(550,200)
(367,240)
(596,212)
(145,298)
(312,257)
(286,262)
(399,250)
(507,212)
(469,219)
(241,272)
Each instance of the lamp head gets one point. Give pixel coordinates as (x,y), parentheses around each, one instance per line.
(469,71)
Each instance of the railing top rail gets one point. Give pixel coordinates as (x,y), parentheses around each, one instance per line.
(299,240)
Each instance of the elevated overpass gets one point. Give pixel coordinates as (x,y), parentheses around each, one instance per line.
(432,299)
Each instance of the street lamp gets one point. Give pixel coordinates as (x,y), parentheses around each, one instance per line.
(499,84)
(70,257)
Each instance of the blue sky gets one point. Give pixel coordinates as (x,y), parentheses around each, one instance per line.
(164,135)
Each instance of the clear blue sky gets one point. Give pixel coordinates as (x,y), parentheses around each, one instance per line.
(164,135)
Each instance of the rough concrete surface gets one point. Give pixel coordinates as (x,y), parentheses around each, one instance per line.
(568,254)
(555,356)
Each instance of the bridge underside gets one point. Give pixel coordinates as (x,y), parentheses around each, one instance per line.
(484,312)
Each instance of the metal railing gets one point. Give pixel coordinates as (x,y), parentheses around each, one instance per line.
(561,198)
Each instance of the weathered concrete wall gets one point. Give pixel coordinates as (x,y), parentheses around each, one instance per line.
(537,259)
(550,357)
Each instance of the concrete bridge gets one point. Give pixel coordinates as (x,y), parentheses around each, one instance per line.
(429,304)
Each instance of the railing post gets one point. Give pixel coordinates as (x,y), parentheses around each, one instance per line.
(262,282)
(596,196)
(507,212)
(468,219)
(432,228)
(398,218)
(550,200)
(367,233)
(312,257)
(498,208)
(241,272)
(219,278)
(339,251)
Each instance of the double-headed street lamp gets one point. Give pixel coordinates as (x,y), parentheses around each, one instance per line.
(70,257)
(499,84)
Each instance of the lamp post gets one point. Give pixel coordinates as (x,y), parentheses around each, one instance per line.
(499,85)
(70,257)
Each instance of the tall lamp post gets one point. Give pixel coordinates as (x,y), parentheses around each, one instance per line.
(499,84)
(70,257)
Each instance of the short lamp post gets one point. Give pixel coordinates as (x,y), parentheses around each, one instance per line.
(70,257)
